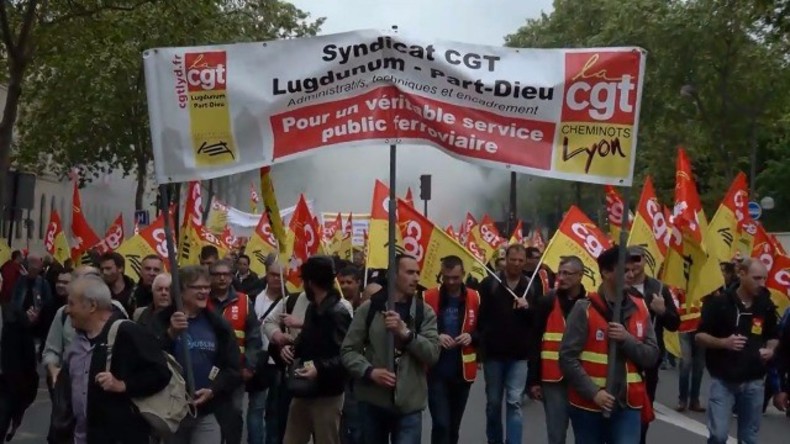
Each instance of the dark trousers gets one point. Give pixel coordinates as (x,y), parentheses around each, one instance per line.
(230,417)
(277,405)
(6,408)
(447,402)
(382,426)
(350,427)
(651,383)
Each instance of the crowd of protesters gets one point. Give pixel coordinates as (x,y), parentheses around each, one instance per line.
(341,362)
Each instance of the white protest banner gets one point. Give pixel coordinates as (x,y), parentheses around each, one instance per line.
(563,113)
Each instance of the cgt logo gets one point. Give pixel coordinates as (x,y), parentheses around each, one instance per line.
(601,87)
(206,71)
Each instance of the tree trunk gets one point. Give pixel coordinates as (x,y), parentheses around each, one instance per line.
(10,111)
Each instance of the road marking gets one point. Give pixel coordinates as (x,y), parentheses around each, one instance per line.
(670,416)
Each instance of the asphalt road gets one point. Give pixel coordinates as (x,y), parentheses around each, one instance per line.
(670,427)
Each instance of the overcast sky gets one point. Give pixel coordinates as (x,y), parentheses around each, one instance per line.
(457,186)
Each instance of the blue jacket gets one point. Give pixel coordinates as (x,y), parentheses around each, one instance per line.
(20,291)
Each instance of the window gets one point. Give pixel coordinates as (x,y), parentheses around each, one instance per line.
(41,216)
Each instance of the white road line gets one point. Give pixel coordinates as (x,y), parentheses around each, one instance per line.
(670,416)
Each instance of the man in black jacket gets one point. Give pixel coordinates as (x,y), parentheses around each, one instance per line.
(101,399)
(663,313)
(505,325)
(18,377)
(316,407)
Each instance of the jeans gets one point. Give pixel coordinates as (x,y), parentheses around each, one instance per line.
(504,378)
(555,404)
(382,426)
(747,398)
(622,427)
(201,430)
(350,427)
(692,365)
(256,408)
(447,402)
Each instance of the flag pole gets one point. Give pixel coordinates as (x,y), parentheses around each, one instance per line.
(392,271)
(175,285)
(619,289)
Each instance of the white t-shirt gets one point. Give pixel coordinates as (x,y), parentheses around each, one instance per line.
(640,288)
(262,304)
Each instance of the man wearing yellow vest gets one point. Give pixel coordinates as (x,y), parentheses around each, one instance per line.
(545,379)
(237,309)
(456,308)
(584,361)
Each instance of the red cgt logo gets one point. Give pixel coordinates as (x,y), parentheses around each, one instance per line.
(206,71)
(601,87)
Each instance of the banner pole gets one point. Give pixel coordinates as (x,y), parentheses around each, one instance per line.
(392,271)
(175,286)
(619,289)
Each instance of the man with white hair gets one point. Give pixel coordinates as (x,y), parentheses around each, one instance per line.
(101,399)
(61,332)
(146,316)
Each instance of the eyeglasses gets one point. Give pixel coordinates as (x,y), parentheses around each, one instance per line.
(567,273)
(199,287)
(221,273)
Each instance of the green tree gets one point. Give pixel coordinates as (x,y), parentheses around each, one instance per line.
(716,81)
(87,103)
(24,24)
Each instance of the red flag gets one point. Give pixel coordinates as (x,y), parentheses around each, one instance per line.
(113,237)
(84,236)
(687,203)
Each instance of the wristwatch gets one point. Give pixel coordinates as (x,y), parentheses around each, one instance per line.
(409,337)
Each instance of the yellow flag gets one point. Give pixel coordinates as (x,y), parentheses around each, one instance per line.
(189,245)
(273,210)
(55,242)
(378,234)
(429,244)
(578,236)
(650,230)
(5,252)
(724,230)
(217,216)
(261,244)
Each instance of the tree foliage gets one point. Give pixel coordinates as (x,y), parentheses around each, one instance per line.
(86,104)
(717,82)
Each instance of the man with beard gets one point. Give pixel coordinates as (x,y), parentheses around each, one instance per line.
(112,266)
(316,409)
(150,268)
(544,380)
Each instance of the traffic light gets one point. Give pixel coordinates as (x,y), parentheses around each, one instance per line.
(425,187)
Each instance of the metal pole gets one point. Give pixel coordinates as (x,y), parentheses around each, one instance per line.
(753,160)
(619,288)
(175,286)
(392,271)
(511,220)
(425,208)
(12,207)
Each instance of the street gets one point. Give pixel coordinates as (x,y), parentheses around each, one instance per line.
(669,427)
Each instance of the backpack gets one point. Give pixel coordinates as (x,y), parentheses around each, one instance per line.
(163,410)
(378,303)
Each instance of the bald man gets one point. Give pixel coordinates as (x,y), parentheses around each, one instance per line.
(740,333)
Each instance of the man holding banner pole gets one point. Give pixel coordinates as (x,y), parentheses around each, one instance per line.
(607,395)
